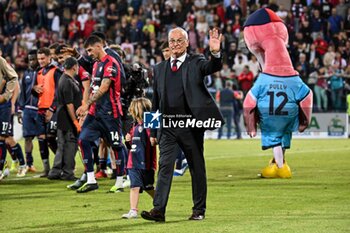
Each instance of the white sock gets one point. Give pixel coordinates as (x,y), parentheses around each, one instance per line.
(119,182)
(91,178)
(83,177)
(278,155)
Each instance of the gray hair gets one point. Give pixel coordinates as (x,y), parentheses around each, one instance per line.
(179,29)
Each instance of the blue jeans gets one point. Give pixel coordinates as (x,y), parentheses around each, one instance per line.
(227,114)
(336,99)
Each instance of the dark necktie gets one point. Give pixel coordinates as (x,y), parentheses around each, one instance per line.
(174,66)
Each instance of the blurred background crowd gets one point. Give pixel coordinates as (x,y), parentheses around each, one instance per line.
(319,32)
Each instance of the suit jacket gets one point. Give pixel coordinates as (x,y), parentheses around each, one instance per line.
(194,69)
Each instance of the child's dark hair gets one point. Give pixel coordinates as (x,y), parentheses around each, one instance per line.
(138,106)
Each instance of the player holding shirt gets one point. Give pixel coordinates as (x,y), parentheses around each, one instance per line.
(103,119)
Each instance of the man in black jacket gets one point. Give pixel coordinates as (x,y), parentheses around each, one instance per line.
(179,91)
(69,97)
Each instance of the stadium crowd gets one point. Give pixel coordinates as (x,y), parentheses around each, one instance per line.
(40,39)
(319,35)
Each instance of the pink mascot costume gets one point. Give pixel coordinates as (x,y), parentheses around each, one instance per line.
(279,101)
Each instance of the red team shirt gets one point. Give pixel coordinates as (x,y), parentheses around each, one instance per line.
(109,103)
(82,76)
(142,154)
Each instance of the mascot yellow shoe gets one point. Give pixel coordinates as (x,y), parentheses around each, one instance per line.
(270,171)
(284,172)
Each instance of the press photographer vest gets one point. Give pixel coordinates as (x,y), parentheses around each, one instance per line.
(48,83)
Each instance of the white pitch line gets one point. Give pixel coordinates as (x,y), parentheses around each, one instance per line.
(228,155)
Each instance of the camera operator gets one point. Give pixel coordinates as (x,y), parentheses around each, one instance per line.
(136,81)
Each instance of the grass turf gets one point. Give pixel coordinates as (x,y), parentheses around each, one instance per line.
(316,199)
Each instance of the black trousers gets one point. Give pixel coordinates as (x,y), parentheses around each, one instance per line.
(191,142)
(64,162)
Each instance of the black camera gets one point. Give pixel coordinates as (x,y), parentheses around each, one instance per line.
(137,81)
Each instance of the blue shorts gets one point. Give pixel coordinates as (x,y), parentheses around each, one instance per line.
(5,121)
(277,131)
(49,128)
(141,178)
(30,122)
(106,127)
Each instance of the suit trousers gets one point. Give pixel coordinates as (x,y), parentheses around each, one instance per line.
(191,142)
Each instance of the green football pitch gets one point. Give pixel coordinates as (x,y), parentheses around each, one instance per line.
(316,199)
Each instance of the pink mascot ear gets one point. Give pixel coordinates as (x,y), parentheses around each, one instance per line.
(266,37)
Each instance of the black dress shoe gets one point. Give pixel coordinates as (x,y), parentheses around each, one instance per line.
(153,215)
(197,216)
(53,177)
(44,174)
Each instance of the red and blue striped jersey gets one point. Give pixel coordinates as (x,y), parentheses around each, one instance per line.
(109,103)
(142,154)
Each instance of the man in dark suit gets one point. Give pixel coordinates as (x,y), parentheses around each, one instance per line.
(179,90)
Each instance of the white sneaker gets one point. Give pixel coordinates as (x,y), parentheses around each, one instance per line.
(126,183)
(130,215)
(21,171)
(6,172)
(109,171)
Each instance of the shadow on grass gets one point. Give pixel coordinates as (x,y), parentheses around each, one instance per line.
(79,226)
(25,197)
(29,181)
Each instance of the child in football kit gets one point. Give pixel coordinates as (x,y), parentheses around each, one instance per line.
(142,160)
(279,100)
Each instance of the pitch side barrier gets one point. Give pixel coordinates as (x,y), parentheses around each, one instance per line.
(323,125)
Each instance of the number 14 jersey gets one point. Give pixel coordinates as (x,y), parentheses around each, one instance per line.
(278,100)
